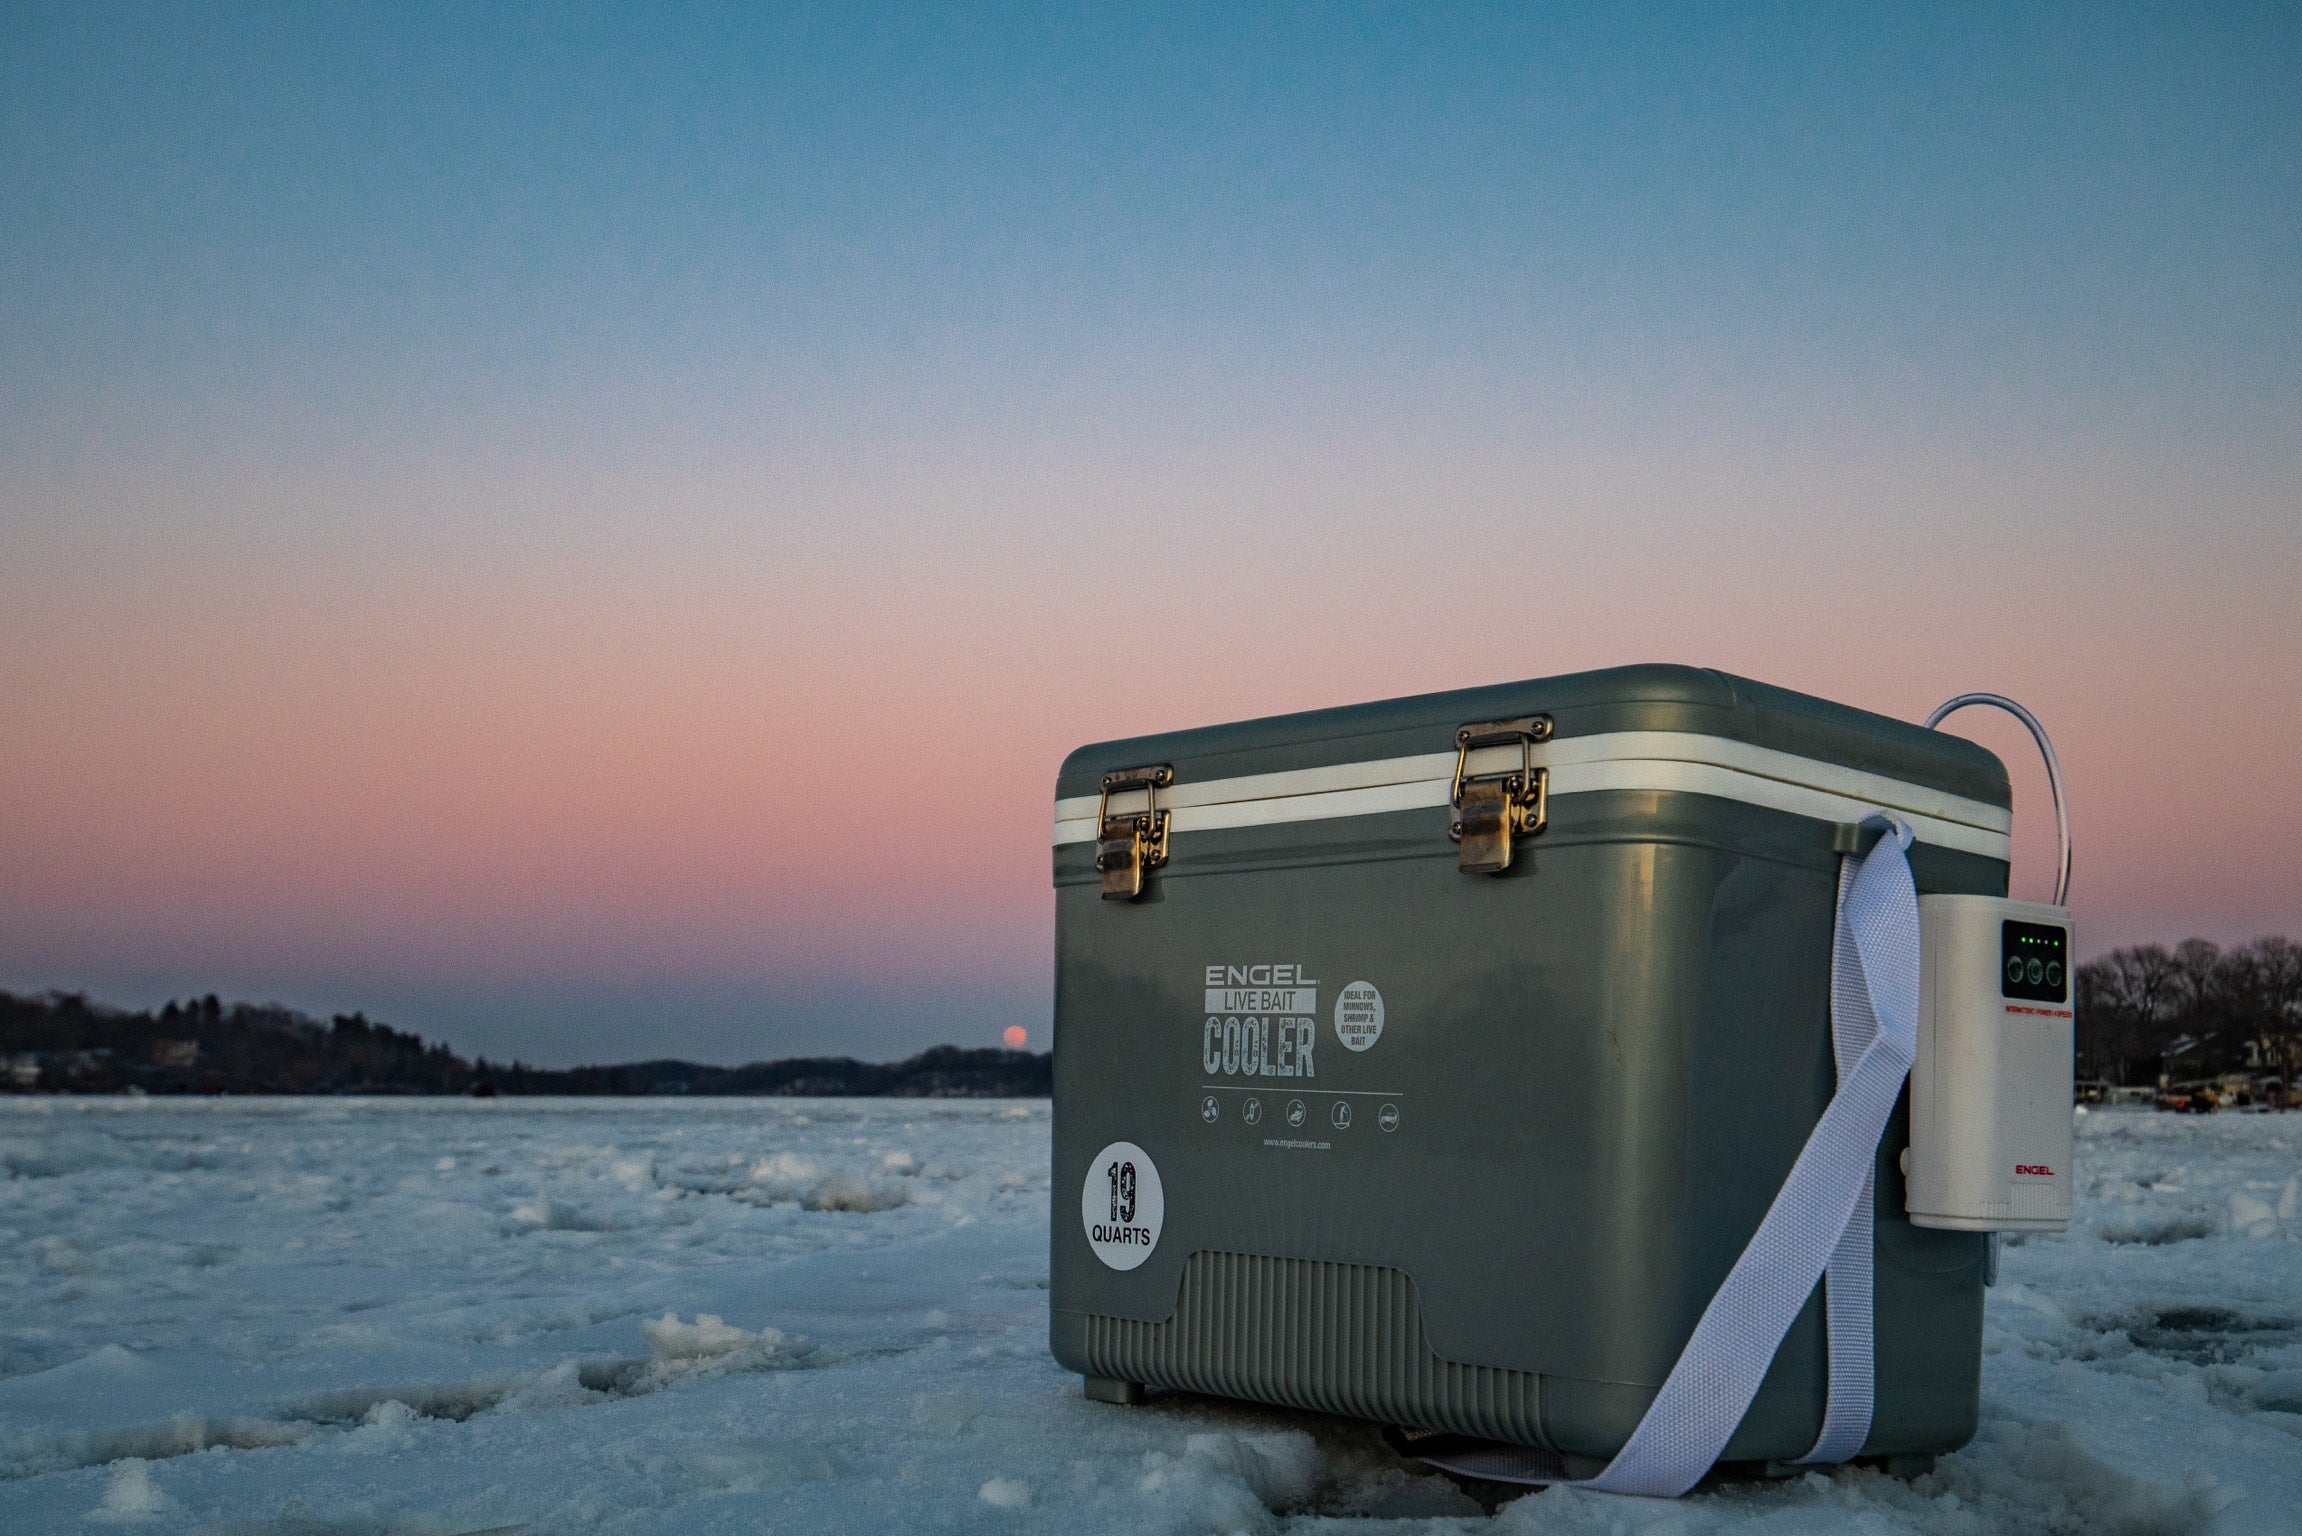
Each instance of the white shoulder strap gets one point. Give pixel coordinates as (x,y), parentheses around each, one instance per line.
(1848,1294)
(1812,1226)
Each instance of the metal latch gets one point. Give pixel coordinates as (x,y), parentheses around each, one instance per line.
(1133,842)
(1493,808)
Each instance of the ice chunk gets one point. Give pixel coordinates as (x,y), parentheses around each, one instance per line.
(2250,1217)
(788,1178)
(1232,1482)
(549,1213)
(844,1191)
(702,1339)
(1005,1493)
(2155,1229)
(387,1429)
(131,1497)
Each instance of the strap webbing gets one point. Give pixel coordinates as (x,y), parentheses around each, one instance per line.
(1847,1284)
(1805,1229)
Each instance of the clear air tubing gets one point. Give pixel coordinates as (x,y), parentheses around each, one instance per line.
(2053,776)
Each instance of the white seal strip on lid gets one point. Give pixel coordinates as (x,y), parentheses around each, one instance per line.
(1666,761)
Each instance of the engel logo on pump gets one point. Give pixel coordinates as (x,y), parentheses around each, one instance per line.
(1261,1021)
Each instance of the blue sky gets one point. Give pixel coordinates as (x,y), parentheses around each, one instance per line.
(422,213)
(536,427)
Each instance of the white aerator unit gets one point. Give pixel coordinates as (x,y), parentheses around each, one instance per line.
(1990,1090)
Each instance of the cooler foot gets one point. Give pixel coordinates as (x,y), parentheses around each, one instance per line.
(1102,1389)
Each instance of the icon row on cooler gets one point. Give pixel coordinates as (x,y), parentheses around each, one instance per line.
(1297,1114)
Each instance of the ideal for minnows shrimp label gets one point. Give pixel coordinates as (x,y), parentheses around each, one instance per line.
(1359,1015)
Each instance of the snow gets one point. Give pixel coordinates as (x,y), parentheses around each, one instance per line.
(433,1318)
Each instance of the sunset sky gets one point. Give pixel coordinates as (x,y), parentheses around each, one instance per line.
(514,519)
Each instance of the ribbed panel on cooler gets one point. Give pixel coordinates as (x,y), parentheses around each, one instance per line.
(1338,1338)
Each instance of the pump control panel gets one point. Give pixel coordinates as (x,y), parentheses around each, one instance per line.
(2033,961)
(1990,1092)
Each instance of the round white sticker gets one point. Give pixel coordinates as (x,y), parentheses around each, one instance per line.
(1122,1205)
(1358,1015)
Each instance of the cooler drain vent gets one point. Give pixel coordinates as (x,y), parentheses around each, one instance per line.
(1301,1333)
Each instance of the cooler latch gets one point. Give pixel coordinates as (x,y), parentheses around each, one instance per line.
(1493,808)
(1133,842)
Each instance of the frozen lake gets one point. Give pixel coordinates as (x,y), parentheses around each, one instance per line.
(691,1316)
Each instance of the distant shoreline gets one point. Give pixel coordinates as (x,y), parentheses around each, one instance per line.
(133,1096)
(62,1043)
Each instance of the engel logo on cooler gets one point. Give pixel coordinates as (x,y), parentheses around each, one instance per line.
(1277,987)
(1232,1046)
(1259,1020)
(2034,1170)
(1122,1205)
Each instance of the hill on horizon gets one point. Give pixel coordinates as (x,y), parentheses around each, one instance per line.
(61,1042)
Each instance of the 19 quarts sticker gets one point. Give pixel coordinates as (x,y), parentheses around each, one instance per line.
(1122,1205)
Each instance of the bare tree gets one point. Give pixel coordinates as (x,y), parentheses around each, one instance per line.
(2136,1004)
(2126,1007)
(2196,987)
(2274,980)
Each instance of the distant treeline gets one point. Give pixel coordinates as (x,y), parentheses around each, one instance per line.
(2191,1013)
(2187,1013)
(62,1042)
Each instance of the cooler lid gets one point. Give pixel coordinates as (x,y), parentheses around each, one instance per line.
(1655,728)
